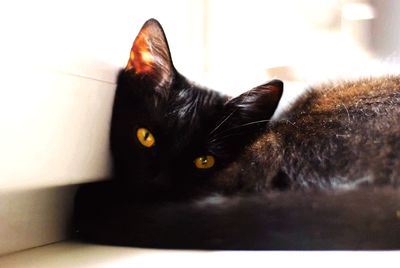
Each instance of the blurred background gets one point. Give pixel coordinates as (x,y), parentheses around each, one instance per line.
(59,60)
(227,45)
(223,44)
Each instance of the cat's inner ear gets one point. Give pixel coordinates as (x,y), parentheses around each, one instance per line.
(256,105)
(150,55)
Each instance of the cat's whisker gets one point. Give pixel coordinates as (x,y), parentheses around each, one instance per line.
(243,125)
(221,139)
(223,121)
(229,116)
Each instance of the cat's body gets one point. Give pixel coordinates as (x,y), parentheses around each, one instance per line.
(176,145)
(338,135)
(359,219)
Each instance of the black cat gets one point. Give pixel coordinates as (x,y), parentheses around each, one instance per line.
(196,169)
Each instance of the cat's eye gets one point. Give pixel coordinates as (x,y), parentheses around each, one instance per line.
(204,162)
(145,137)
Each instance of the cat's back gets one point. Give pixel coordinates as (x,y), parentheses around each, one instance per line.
(344,131)
(369,104)
(379,95)
(337,135)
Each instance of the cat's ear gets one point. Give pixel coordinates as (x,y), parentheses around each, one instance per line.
(150,55)
(255,105)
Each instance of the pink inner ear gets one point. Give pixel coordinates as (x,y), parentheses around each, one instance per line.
(141,58)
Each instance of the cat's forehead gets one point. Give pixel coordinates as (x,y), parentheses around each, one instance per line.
(189,105)
(193,110)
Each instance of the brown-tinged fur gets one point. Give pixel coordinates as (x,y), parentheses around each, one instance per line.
(338,135)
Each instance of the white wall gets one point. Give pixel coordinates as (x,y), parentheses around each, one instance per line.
(385,29)
(309,40)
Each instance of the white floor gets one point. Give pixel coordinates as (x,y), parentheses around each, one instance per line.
(73,254)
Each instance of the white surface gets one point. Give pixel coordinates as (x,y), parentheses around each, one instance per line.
(68,254)
(54,129)
(34,217)
(93,38)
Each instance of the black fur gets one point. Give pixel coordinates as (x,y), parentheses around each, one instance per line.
(360,219)
(179,136)
(329,139)
(187,121)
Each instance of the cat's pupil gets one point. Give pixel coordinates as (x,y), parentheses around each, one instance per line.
(146,135)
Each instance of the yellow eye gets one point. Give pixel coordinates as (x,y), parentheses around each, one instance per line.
(204,162)
(145,137)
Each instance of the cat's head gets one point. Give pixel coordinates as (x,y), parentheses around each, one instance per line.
(168,135)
